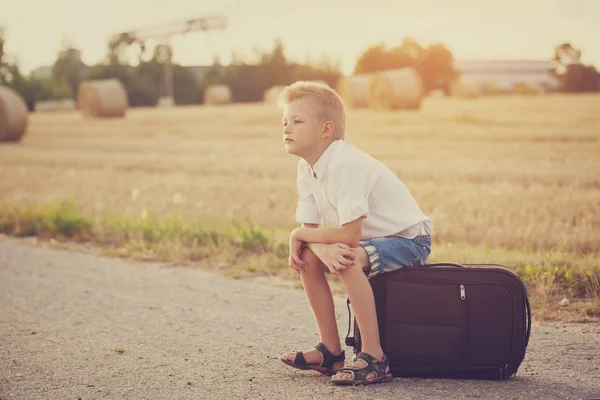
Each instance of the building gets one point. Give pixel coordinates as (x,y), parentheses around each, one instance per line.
(506,74)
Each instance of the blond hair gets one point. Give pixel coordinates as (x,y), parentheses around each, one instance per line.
(327,104)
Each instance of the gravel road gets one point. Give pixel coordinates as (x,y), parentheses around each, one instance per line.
(78,326)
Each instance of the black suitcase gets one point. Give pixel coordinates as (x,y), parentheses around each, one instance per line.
(449,320)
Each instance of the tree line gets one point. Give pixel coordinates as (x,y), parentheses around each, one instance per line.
(248,80)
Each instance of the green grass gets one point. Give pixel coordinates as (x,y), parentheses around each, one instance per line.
(247,251)
(55,220)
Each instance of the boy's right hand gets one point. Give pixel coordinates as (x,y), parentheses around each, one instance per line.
(336,257)
(294,260)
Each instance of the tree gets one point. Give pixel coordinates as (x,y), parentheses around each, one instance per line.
(32,90)
(2,66)
(573,76)
(145,82)
(564,54)
(437,68)
(373,59)
(249,80)
(69,67)
(435,63)
(6,68)
(580,78)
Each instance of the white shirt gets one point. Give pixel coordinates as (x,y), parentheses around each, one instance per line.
(346,184)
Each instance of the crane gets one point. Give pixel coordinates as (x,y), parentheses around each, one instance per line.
(164,32)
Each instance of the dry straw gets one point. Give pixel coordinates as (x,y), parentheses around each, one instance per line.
(217,94)
(13,115)
(354,90)
(102,98)
(396,89)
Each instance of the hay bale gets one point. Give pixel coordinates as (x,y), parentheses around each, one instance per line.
(528,88)
(217,94)
(272,94)
(491,88)
(54,105)
(396,89)
(13,115)
(102,99)
(354,90)
(320,82)
(466,90)
(166,101)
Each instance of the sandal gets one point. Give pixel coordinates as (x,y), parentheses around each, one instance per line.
(326,365)
(364,375)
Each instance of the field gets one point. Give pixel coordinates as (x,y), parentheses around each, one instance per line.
(512,180)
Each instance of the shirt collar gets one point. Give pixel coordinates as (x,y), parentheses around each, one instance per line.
(320,168)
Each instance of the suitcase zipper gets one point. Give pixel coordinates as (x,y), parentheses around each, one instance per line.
(462,292)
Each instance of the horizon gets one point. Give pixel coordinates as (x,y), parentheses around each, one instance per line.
(468,28)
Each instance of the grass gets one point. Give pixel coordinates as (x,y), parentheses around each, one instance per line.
(513,180)
(250,251)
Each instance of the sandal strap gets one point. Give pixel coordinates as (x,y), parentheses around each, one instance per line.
(299,359)
(328,358)
(373,365)
(366,357)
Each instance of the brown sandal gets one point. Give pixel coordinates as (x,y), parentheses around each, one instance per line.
(360,376)
(326,365)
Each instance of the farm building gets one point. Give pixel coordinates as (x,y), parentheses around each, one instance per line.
(505,74)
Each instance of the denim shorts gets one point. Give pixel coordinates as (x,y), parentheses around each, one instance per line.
(390,253)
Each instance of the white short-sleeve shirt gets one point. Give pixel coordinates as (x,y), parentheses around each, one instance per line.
(346,184)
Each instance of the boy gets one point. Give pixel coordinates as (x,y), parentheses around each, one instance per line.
(375,224)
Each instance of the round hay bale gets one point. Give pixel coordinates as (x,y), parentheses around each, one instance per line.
(396,90)
(166,101)
(528,88)
(105,98)
(491,88)
(466,90)
(13,115)
(272,94)
(354,90)
(54,105)
(217,94)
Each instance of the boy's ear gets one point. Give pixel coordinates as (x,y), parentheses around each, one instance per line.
(328,129)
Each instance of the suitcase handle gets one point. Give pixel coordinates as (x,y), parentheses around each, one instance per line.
(446,264)
(350,341)
(528,322)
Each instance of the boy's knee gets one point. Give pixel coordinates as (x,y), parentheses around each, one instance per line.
(310,258)
(361,258)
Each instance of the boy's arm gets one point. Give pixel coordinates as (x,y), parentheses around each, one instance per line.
(336,258)
(349,234)
(315,247)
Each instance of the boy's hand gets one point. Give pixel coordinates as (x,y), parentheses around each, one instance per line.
(336,257)
(294,260)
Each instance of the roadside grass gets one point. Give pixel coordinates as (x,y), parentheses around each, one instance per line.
(244,251)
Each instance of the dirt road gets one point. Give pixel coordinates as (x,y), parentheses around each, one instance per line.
(74,325)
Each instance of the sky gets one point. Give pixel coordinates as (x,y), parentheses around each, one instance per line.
(35,30)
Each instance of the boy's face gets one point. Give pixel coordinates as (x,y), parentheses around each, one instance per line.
(301,129)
